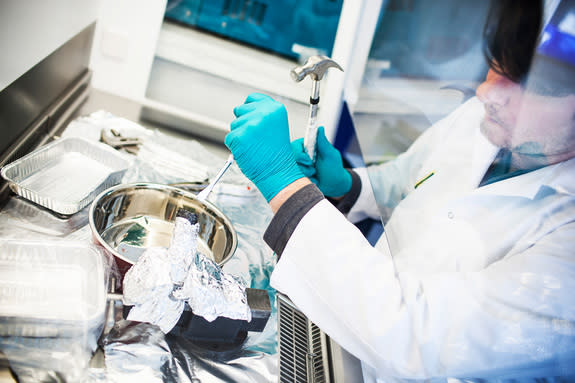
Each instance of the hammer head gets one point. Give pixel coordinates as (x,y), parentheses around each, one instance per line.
(315,67)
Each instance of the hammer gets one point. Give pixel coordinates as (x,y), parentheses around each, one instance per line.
(315,67)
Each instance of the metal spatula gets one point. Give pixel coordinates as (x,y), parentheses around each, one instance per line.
(203,195)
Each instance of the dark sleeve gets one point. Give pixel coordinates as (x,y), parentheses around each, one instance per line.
(288,216)
(345,204)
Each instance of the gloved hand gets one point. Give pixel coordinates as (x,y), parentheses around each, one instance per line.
(328,173)
(260,142)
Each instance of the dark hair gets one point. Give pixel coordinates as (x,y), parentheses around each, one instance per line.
(511,34)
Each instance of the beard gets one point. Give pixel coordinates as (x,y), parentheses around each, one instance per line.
(493,127)
(495,132)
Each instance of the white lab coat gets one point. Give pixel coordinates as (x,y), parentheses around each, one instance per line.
(481,282)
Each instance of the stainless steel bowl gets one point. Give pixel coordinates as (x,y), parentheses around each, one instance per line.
(127,219)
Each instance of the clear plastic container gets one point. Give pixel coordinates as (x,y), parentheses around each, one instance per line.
(51,289)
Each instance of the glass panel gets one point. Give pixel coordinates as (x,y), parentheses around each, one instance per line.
(472,171)
(425,61)
(292,28)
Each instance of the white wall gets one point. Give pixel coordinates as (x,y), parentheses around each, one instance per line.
(32,29)
(125,44)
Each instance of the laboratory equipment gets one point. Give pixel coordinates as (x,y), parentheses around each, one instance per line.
(222,333)
(315,67)
(203,195)
(127,219)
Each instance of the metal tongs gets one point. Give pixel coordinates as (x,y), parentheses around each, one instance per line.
(115,139)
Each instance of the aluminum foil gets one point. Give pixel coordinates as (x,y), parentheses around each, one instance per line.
(162,280)
(141,351)
(38,360)
(148,287)
(212,293)
(183,247)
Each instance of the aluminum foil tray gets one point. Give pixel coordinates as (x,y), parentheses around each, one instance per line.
(51,289)
(66,175)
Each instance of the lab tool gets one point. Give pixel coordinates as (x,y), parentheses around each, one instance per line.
(315,67)
(203,195)
(116,140)
(327,172)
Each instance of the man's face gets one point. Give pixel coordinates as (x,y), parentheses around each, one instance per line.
(540,129)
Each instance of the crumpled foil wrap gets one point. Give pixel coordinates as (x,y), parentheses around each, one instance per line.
(212,293)
(184,245)
(162,280)
(148,287)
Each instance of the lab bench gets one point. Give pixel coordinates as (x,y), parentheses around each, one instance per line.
(250,256)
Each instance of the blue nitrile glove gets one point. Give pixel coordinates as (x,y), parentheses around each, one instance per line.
(260,142)
(328,173)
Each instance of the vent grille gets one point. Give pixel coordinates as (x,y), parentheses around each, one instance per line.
(302,346)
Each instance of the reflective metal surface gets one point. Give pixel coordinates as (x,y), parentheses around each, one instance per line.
(141,352)
(65,175)
(127,219)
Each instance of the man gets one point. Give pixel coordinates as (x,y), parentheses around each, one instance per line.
(479,215)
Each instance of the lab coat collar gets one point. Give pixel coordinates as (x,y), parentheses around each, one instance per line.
(560,177)
(484,152)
